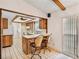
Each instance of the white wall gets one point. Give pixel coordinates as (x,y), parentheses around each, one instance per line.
(21,6)
(69,11)
(9,16)
(55,25)
(78,38)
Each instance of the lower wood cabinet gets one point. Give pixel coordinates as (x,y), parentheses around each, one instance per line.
(7,40)
(26,45)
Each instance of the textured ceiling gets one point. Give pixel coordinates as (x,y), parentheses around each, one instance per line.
(48,6)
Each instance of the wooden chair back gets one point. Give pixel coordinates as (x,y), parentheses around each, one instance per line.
(38,41)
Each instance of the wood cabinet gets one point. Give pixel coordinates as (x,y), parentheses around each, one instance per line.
(4,23)
(7,40)
(26,45)
(27,41)
(43,24)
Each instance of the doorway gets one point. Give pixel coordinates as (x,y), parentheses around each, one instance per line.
(17,33)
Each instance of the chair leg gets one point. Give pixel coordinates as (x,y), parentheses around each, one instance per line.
(47,48)
(44,50)
(37,55)
(33,54)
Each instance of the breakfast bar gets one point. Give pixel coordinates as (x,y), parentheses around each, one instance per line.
(28,39)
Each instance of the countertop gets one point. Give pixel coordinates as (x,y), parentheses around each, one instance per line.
(35,35)
(31,36)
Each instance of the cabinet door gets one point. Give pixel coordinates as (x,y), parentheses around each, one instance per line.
(7,40)
(43,23)
(4,23)
(3,41)
(25,45)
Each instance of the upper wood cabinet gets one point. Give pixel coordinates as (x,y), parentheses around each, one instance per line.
(4,23)
(43,23)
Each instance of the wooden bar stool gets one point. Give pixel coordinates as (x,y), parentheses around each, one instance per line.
(45,43)
(36,47)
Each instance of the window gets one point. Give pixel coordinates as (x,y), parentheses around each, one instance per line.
(70,35)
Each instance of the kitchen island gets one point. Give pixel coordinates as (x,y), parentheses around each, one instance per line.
(26,40)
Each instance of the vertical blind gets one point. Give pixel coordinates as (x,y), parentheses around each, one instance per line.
(70,33)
